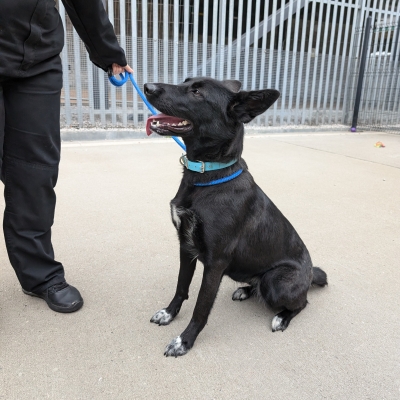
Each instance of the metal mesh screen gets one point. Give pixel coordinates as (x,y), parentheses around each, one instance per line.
(302,48)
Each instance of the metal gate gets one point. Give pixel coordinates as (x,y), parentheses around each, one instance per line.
(378,103)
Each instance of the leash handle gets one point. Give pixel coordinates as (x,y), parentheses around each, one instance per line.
(123,80)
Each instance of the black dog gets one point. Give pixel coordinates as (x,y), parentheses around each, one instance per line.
(222,217)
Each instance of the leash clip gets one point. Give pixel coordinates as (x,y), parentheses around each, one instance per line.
(183,160)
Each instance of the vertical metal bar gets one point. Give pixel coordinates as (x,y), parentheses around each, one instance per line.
(286,67)
(361,74)
(205,38)
(344,60)
(176,41)
(214,38)
(330,51)
(90,91)
(247,46)
(322,79)
(271,55)
(279,61)
(195,35)
(221,40)
(255,46)
(302,47)
(145,49)
(110,7)
(316,62)
(65,66)
(165,40)
(349,82)
(386,69)
(263,47)
(230,34)
(78,81)
(238,42)
(155,41)
(134,58)
(309,51)
(102,92)
(293,82)
(186,10)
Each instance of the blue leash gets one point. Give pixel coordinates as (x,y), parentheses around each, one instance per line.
(123,80)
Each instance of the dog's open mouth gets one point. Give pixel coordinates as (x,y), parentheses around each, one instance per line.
(165,125)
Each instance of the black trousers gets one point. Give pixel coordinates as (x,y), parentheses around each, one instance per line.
(29,158)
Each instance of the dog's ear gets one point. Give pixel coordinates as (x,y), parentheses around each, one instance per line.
(247,105)
(232,85)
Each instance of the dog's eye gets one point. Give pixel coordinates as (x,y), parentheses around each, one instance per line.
(196,91)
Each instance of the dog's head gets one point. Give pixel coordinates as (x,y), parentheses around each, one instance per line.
(204,107)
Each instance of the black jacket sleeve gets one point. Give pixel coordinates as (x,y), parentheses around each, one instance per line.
(94,28)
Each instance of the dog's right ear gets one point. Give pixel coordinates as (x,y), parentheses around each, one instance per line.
(248,105)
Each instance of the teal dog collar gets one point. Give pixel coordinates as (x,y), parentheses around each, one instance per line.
(201,166)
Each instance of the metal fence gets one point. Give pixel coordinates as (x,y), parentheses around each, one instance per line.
(303,48)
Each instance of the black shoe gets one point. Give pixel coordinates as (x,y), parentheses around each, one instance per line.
(60,297)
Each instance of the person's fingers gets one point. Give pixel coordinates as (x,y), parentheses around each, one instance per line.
(117,69)
(128,68)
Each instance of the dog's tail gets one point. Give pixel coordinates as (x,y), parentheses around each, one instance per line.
(319,277)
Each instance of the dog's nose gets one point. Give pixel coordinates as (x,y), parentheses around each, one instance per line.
(150,88)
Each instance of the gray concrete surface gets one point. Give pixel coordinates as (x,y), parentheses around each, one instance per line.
(113,234)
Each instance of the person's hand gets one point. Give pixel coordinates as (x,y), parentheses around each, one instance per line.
(117,69)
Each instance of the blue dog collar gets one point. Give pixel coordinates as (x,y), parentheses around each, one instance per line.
(201,166)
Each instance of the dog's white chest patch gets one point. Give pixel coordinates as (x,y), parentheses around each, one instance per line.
(175,217)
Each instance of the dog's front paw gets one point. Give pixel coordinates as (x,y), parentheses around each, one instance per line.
(162,317)
(176,348)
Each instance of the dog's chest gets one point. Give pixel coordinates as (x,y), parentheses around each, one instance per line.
(187,224)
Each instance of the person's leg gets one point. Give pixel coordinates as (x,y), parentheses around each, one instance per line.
(31,154)
(2,122)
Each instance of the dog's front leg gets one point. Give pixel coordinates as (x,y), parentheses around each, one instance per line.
(186,271)
(208,292)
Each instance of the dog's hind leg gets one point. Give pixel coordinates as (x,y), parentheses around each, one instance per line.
(186,271)
(243,293)
(286,287)
(208,291)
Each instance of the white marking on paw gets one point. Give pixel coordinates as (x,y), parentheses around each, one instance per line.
(161,317)
(175,348)
(276,323)
(240,294)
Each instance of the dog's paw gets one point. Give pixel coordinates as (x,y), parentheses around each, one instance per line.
(176,348)
(279,323)
(241,293)
(162,317)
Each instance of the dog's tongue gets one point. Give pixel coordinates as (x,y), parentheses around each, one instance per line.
(161,119)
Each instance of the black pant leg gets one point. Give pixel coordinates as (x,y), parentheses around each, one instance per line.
(31,155)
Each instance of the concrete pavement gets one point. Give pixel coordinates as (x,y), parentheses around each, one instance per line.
(114,236)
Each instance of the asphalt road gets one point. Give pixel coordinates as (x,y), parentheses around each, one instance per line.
(114,235)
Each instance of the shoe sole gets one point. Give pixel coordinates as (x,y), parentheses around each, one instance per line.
(59,309)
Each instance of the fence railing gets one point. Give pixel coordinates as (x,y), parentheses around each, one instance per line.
(304,48)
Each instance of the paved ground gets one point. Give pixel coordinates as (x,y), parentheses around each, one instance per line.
(113,234)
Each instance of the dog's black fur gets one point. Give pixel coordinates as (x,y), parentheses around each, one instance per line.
(233,228)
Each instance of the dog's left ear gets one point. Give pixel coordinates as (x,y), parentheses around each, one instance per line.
(247,105)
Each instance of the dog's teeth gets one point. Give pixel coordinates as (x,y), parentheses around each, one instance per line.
(180,124)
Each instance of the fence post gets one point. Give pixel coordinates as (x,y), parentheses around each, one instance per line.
(363,62)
